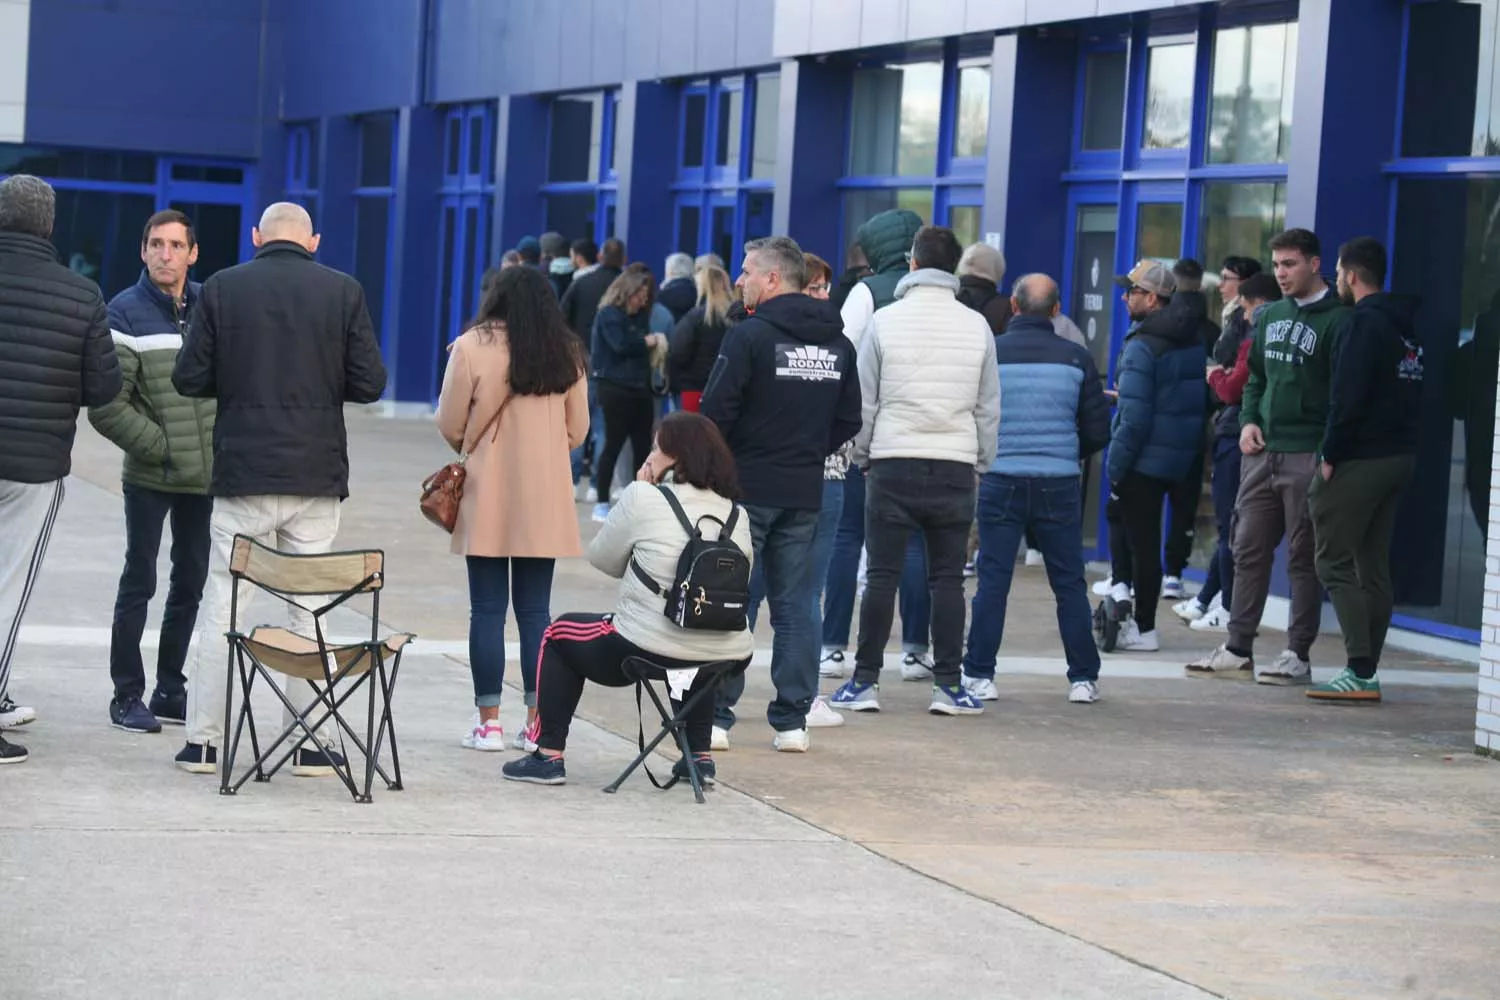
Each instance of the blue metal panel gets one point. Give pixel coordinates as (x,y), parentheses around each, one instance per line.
(810,155)
(338,167)
(412,276)
(349,56)
(647,137)
(520,171)
(1035,224)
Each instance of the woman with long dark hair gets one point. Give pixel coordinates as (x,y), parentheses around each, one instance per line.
(621,359)
(696,340)
(693,462)
(515,401)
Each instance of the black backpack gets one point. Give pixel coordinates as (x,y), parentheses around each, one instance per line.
(711,591)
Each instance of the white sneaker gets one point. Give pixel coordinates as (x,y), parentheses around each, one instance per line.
(916,667)
(982,688)
(833,665)
(1289,669)
(1103,587)
(590,495)
(1034,557)
(1120,593)
(1172,588)
(1133,640)
(523,741)
(1217,604)
(1215,620)
(1188,610)
(719,740)
(1083,692)
(791,741)
(601,513)
(820,716)
(13,716)
(1220,663)
(486,736)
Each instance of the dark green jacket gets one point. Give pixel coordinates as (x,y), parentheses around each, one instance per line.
(1291,369)
(886,239)
(167,438)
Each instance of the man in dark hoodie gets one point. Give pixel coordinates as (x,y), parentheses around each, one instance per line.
(1157,433)
(786,395)
(1369,453)
(1283,416)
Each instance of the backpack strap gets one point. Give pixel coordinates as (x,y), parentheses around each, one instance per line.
(676,506)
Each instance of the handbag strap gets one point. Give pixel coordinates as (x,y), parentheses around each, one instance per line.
(492,422)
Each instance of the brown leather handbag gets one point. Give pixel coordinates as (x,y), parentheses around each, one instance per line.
(443,491)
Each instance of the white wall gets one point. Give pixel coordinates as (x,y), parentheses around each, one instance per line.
(1487,721)
(15,39)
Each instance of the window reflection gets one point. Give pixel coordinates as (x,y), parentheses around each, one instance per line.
(576,128)
(571,214)
(971,132)
(1104,101)
(97,235)
(894,127)
(860,206)
(372,228)
(757,215)
(1452,81)
(721,233)
(964,221)
(1158,231)
(1169,95)
(376,139)
(1238,219)
(731,107)
(687,229)
(1251,119)
(695,126)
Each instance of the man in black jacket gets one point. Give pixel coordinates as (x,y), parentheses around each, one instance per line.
(1368,456)
(56,356)
(282,343)
(786,395)
(596,272)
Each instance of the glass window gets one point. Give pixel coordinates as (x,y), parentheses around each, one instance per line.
(1169,95)
(1452,100)
(451,138)
(445,286)
(614,131)
(310,134)
(757,215)
(767,121)
(1238,219)
(731,111)
(571,214)
(688,218)
(468,277)
(573,146)
(964,221)
(372,230)
(217,229)
(894,122)
(209,175)
(694,129)
(376,136)
(1091,305)
(1251,117)
(1158,231)
(721,232)
(860,206)
(971,132)
(609,220)
(130,168)
(97,235)
(1104,101)
(476,145)
(1447,248)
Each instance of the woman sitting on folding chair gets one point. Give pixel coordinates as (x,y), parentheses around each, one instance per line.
(692,461)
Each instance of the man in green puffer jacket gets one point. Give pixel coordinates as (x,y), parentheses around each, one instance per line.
(168,445)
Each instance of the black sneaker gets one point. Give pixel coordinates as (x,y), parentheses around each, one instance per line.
(170,709)
(132,716)
(307,763)
(12,753)
(537,768)
(198,758)
(706,770)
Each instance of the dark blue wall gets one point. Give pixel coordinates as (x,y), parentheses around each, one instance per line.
(349,56)
(163,76)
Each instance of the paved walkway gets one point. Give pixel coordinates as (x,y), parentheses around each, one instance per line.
(1182,838)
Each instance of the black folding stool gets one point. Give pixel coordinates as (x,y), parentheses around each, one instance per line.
(643,672)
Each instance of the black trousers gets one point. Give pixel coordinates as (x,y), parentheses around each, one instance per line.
(1140,508)
(146,510)
(1182,526)
(629,415)
(579,648)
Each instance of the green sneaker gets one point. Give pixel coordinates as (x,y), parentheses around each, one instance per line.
(1346,687)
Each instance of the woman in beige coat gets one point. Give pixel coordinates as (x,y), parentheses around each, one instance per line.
(520,362)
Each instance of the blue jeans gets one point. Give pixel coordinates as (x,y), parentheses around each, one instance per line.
(822,552)
(783,552)
(841,580)
(1051,508)
(595,443)
(493,584)
(1226,490)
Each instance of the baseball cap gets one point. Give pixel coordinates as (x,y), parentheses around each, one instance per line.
(1152,276)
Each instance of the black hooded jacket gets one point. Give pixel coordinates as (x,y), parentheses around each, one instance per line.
(785,392)
(981,295)
(1376,394)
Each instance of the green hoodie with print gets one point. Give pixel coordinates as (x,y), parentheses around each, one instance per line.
(1291,366)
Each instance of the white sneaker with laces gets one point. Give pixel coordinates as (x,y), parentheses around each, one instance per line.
(1133,640)
(719,740)
(486,736)
(13,716)
(982,688)
(791,741)
(1217,604)
(833,664)
(1120,593)
(916,667)
(1083,692)
(1288,669)
(820,716)
(1220,663)
(1172,588)
(523,741)
(1215,620)
(1034,557)
(1189,610)
(590,495)
(1103,587)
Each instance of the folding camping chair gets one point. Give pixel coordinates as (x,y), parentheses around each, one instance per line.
(337,577)
(643,672)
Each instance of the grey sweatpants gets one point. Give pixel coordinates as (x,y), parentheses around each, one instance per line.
(1273,505)
(27,513)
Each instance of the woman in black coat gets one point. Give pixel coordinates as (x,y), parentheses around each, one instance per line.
(696,339)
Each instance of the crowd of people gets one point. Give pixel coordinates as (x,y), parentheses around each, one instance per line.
(839,431)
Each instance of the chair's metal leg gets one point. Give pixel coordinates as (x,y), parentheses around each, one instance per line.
(227,765)
(667,728)
(388,687)
(370,740)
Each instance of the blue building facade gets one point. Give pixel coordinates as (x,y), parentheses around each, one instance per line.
(1080,135)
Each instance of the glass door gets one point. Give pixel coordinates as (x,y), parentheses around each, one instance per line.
(1088,299)
(217,198)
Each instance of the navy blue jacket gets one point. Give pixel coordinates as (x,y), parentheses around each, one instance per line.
(1053,410)
(619,353)
(1158,426)
(1376,397)
(785,393)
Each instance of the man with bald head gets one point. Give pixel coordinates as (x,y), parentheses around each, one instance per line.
(282,343)
(1055,416)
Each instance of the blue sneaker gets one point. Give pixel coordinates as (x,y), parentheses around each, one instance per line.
(537,768)
(198,758)
(856,697)
(954,700)
(169,709)
(318,763)
(132,716)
